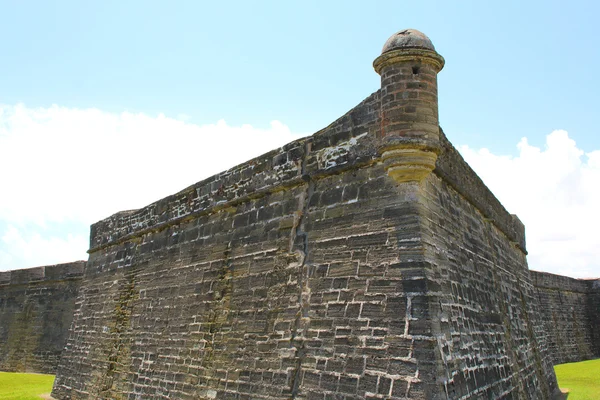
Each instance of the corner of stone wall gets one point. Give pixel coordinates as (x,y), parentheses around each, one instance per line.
(484,264)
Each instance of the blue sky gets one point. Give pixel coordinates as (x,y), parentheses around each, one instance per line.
(513,70)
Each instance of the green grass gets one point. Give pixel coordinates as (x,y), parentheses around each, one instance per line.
(15,386)
(581,378)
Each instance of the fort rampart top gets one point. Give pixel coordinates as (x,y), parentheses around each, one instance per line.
(45,273)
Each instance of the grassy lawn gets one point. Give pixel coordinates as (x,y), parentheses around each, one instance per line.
(581,378)
(24,386)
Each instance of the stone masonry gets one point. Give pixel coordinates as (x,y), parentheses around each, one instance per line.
(36,309)
(570,310)
(365,261)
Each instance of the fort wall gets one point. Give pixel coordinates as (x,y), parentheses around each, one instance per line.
(594,313)
(307,272)
(367,261)
(36,310)
(570,313)
(481,301)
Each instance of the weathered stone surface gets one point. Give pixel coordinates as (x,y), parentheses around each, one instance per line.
(593,306)
(367,261)
(36,309)
(334,279)
(570,313)
(481,302)
(313,272)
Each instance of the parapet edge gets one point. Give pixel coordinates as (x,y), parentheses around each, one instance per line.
(454,170)
(349,142)
(549,280)
(54,272)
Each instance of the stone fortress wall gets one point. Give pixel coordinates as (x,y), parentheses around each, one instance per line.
(569,308)
(365,261)
(570,314)
(36,310)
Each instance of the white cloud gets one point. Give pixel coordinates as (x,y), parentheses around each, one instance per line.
(555,191)
(63,165)
(25,249)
